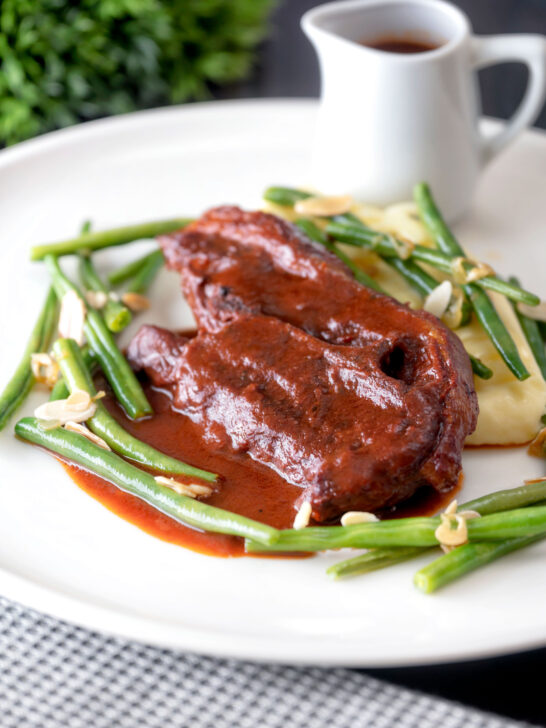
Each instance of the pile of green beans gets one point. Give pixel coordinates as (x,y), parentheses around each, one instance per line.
(127,477)
(116,368)
(76,375)
(22,381)
(419,531)
(479,300)
(496,502)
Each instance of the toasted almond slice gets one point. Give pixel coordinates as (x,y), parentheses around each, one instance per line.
(480,270)
(78,400)
(113,296)
(192,490)
(76,408)
(453,315)
(404,248)
(448,536)
(86,432)
(72,317)
(324,206)
(44,368)
(351,518)
(437,301)
(302,516)
(96,299)
(538,446)
(458,270)
(99,395)
(529,481)
(535,312)
(135,301)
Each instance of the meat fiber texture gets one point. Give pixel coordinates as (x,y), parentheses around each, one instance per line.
(340,389)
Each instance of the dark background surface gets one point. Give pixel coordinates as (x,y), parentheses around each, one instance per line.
(512,686)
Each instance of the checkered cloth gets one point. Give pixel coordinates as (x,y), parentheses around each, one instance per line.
(55,675)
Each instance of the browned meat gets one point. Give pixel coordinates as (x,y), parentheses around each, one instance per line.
(325,417)
(235,263)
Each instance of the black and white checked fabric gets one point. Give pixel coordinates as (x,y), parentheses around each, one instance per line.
(55,675)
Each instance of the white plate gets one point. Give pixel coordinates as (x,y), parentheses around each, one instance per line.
(63,553)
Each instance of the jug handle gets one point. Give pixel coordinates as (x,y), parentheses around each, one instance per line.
(529,49)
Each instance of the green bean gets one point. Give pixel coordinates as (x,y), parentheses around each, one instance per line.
(387,246)
(60,390)
(121,377)
(372,561)
(146,273)
(410,532)
(532,333)
(107,238)
(314,233)
(21,382)
(76,376)
(496,330)
(116,315)
(480,369)
(496,502)
(417,278)
(465,559)
(285,196)
(394,532)
(129,270)
(127,477)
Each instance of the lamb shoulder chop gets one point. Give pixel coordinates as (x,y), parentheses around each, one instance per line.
(340,389)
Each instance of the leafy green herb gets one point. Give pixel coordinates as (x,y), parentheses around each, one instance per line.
(62,62)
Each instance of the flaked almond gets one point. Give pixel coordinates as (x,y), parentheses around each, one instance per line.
(404,248)
(324,206)
(113,296)
(72,317)
(351,518)
(449,537)
(86,432)
(96,299)
(478,271)
(136,301)
(78,407)
(538,446)
(437,301)
(192,490)
(79,400)
(535,312)
(461,274)
(453,315)
(458,271)
(44,368)
(303,516)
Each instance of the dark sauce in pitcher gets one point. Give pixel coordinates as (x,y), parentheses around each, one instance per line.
(400,45)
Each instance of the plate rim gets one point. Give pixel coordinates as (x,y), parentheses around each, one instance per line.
(80,611)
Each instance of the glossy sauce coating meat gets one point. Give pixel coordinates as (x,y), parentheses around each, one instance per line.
(391,389)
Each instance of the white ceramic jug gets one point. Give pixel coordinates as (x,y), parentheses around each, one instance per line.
(388,120)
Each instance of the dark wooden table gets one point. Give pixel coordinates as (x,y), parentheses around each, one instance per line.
(511,686)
